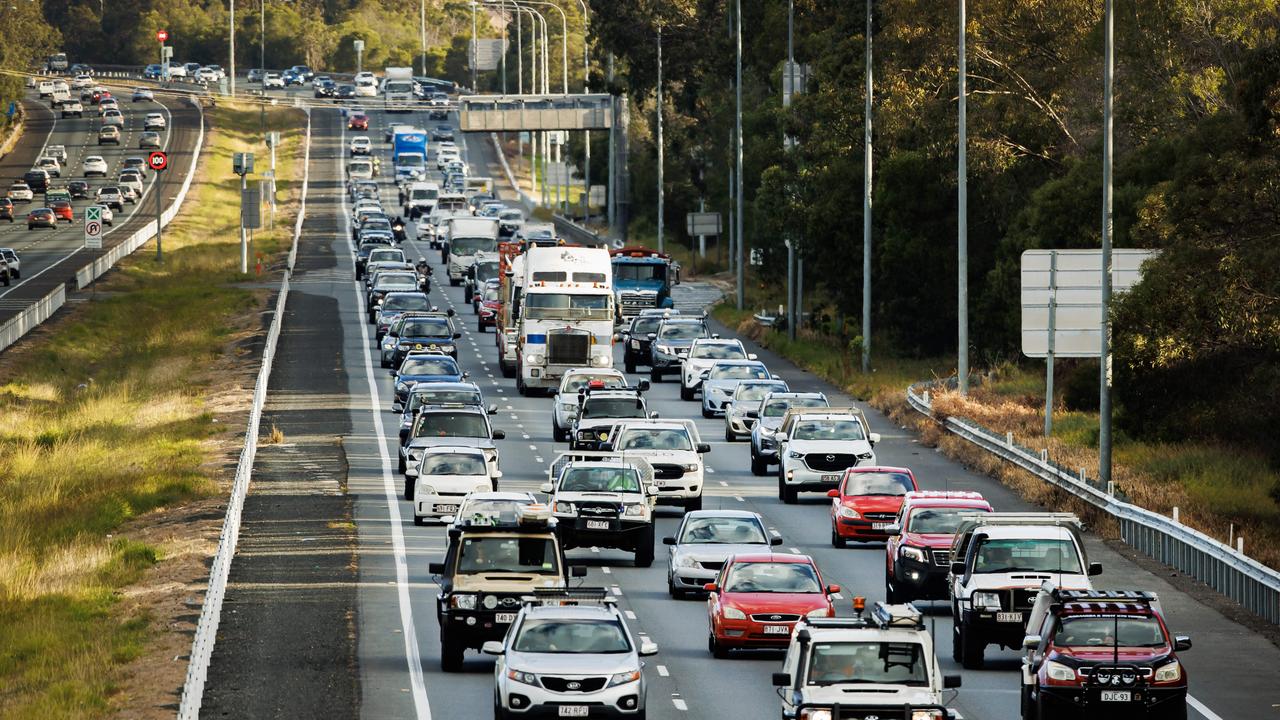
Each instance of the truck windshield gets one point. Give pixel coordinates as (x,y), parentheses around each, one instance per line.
(486,270)
(1018,555)
(563,306)
(612,408)
(411,160)
(567,637)
(1109,631)
(451,424)
(424,194)
(881,663)
(596,479)
(938,521)
(442,397)
(828,430)
(576,381)
(639,271)
(471,245)
(508,555)
(398,86)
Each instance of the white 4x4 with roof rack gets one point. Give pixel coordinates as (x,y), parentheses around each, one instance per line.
(999,562)
(446,475)
(883,666)
(603,500)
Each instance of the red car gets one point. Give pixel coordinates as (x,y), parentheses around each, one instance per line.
(41,217)
(489,306)
(757,599)
(918,555)
(6,209)
(62,209)
(359,121)
(867,502)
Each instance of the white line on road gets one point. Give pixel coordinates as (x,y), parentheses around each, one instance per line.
(1200,708)
(631,614)
(794,551)
(663,671)
(738,498)
(680,704)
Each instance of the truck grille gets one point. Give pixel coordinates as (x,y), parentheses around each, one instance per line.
(638,301)
(568,349)
(599,509)
(559,684)
(667,471)
(830,462)
(1018,599)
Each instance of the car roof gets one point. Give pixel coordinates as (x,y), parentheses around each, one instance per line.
(723,514)
(446,386)
(768,557)
(616,464)
(456,449)
(570,612)
(739,363)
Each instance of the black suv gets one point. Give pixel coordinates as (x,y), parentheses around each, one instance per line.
(37,180)
(635,337)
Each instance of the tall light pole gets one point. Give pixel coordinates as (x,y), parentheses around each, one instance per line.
(661,191)
(962,216)
(1108,150)
(866,207)
(231,51)
(737,152)
(789,89)
(475,52)
(262,37)
(422,32)
(586,134)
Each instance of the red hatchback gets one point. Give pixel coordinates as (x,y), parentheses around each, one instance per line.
(62,209)
(757,600)
(867,502)
(358,121)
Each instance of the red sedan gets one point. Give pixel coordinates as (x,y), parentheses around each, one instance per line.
(867,502)
(41,217)
(757,599)
(489,306)
(62,209)
(359,121)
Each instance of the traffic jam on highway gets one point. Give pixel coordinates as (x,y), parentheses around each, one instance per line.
(531,557)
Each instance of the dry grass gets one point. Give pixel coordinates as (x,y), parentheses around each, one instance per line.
(275,437)
(104,419)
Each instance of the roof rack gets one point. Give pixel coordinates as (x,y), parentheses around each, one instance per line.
(942,495)
(1093,596)
(904,615)
(534,517)
(1024,518)
(565,459)
(569,597)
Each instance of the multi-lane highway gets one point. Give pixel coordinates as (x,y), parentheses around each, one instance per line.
(331,608)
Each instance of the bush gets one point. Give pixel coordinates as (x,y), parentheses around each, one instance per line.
(1080,386)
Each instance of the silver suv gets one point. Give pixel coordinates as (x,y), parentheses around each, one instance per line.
(569,653)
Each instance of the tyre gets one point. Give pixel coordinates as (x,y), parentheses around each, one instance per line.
(557,434)
(729,436)
(789,494)
(672,591)
(717,650)
(409,484)
(955,639)
(480,326)
(1045,711)
(693,504)
(971,651)
(1026,706)
(759,467)
(508,370)
(708,414)
(685,393)
(451,653)
(385,364)
(401,463)
(891,595)
(630,364)
(1177,711)
(521,387)
(655,376)
(419,520)
(644,548)
(836,540)
(455,282)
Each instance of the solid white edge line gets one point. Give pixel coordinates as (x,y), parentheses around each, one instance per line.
(1200,708)
(412,654)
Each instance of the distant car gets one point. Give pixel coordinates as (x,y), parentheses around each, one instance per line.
(37,180)
(21,192)
(867,502)
(217,71)
(71,108)
(360,145)
(50,165)
(111,196)
(441,133)
(129,193)
(58,152)
(272,80)
(79,189)
(345,92)
(319,80)
(303,72)
(148,140)
(113,117)
(10,256)
(82,81)
(153,71)
(177,70)
(325,88)
(131,179)
(358,121)
(42,218)
(96,164)
(136,163)
(6,211)
(255,75)
(62,210)
(108,217)
(107,103)
(154,121)
(142,93)
(291,77)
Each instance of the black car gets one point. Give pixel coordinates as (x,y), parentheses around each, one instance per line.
(345,92)
(326,88)
(431,333)
(37,180)
(635,339)
(79,189)
(442,133)
(6,211)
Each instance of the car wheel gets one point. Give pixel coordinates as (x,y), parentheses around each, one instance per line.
(451,652)
(644,548)
(409,484)
(891,595)
(675,593)
(419,520)
(685,393)
(971,651)
(480,326)
(729,436)
(836,540)
(630,365)
(655,376)
(1027,706)
(758,466)
(789,494)
(707,413)
(1045,711)
(717,650)
(955,640)
(557,434)
(693,504)
(508,370)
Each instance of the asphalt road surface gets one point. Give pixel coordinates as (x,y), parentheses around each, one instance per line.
(391,648)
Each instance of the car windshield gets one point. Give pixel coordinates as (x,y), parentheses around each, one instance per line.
(360,167)
(428,327)
(828,430)
(564,306)
(938,521)
(718,351)
(655,439)
(407,301)
(877,483)
(639,271)
(429,365)
(598,479)
(454,464)
(508,555)
(397,282)
(1108,631)
(386,256)
(571,636)
(738,372)
(722,531)
(682,331)
(451,424)
(443,397)
(879,663)
(486,270)
(754,392)
(612,408)
(772,577)
(490,294)
(644,325)
(576,381)
(471,245)
(1017,555)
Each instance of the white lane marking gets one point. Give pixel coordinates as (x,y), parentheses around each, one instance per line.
(533,447)
(1200,708)
(711,470)
(837,596)
(663,671)
(724,484)
(616,590)
(524,437)
(775,532)
(631,615)
(606,570)
(680,704)
(538,460)
(738,498)
(412,654)
(794,551)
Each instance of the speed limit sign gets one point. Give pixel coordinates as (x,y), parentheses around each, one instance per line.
(158,161)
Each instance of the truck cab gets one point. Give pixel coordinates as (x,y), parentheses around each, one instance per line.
(599,407)
(642,279)
(469,238)
(565,312)
(409,153)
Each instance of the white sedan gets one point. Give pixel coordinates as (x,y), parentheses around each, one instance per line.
(82,81)
(154,121)
(95,165)
(113,117)
(272,80)
(360,145)
(21,192)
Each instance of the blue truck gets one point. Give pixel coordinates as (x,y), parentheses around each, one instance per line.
(409,153)
(642,279)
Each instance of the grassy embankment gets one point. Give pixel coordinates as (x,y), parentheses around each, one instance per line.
(103,418)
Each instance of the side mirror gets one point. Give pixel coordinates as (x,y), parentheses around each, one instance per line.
(497,474)
(874,438)
(451,312)
(648,647)
(753,414)
(776,376)
(651,489)
(448,519)
(492,409)
(545,487)
(833,589)
(652,336)
(1181,642)
(950,682)
(466,375)
(643,386)
(894,529)
(653,415)
(577,571)
(1095,569)
(411,472)
(1031,642)
(957,568)
(493,647)
(499,434)
(617,337)
(833,493)
(782,679)
(775,541)
(668,540)
(704,374)
(711,587)
(752,356)
(457,335)
(435,568)
(703,448)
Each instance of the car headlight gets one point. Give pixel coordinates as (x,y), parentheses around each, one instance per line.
(402,387)
(463,601)
(533,359)
(563,508)
(912,553)
(424,490)
(601,361)
(808,714)
(734,613)
(794,455)
(570,408)
(623,678)
(483,486)
(1060,672)
(691,467)
(848,512)
(819,613)
(636,510)
(986,600)
(635,344)
(521,676)
(686,561)
(665,349)
(865,456)
(1169,672)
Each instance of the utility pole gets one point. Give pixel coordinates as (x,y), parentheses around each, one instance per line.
(474,49)
(866,208)
(262,38)
(611,191)
(788,90)
(231,61)
(737,151)
(962,217)
(1108,150)
(422,30)
(661,190)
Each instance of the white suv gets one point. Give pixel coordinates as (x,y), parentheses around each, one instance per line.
(95,165)
(673,449)
(446,475)
(565,407)
(816,447)
(702,355)
(154,121)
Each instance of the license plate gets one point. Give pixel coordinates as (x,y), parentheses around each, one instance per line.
(1116,696)
(573,711)
(1009,617)
(597,524)
(777,629)
(504,618)
(831,478)
(879,526)
(446,508)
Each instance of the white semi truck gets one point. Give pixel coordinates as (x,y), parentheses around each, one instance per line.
(565,314)
(397,89)
(466,236)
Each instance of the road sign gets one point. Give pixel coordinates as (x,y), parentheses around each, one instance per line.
(158,160)
(1062,289)
(162,35)
(702,223)
(242,164)
(251,208)
(358,45)
(757,256)
(486,53)
(93,227)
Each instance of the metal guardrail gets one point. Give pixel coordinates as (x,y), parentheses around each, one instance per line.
(211,610)
(1245,580)
(27,320)
(575,233)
